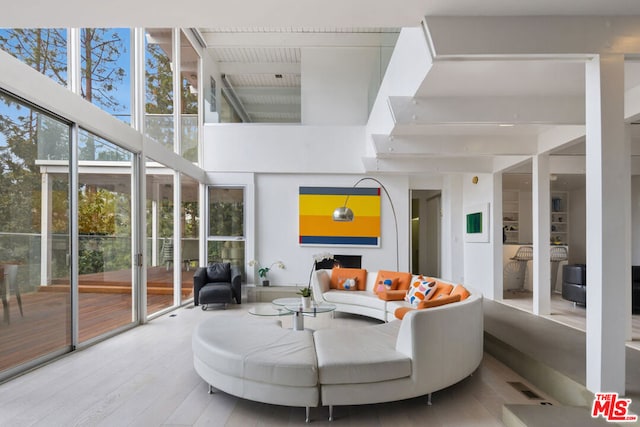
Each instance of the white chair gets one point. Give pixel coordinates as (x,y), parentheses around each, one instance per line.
(558,255)
(523,255)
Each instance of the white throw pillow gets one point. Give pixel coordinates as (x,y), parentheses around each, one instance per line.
(420,290)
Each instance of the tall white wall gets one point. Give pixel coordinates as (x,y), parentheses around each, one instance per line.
(336,84)
(283,148)
(276,225)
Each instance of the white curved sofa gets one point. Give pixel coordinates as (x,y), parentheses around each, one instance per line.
(257,359)
(364,303)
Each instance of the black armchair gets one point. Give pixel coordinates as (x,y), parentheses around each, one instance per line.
(218,283)
(574,283)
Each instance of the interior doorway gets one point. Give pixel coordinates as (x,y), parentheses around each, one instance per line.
(426,231)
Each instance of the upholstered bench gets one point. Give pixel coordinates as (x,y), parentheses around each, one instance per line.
(257,359)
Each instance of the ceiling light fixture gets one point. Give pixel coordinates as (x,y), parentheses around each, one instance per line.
(506,125)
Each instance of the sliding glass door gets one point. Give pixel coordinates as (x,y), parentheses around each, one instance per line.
(105,224)
(34,235)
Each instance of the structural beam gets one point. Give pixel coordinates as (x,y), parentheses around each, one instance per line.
(430,165)
(558,110)
(454,145)
(531,36)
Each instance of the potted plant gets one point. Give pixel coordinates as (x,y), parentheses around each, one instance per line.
(263,272)
(305,295)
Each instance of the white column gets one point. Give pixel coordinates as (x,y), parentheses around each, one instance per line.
(496,237)
(452,267)
(608,185)
(541,225)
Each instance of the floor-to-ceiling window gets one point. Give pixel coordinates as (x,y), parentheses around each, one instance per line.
(105,218)
(34,234)
(37,242)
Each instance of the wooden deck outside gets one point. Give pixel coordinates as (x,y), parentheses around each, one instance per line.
(104,305)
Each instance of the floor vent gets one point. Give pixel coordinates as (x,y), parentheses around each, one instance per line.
(525,390)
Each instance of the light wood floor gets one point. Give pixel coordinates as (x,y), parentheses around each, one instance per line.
(145,377)
(565,312)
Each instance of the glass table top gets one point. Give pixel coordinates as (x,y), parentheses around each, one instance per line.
(286,301)
(269,310)
(313,310)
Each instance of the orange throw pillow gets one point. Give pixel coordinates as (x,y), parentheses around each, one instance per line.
(391,295)
(462,291)
(438,301)
(400,312)
(403,280)
(442,289)
(339,275)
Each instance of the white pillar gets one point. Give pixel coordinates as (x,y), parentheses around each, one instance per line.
(541,225)
(608,186)
(496,238)
(452,267)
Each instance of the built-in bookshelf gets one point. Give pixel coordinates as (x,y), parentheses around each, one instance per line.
(511,215)
(559,218)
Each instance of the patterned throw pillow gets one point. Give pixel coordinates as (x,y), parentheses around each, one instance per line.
(385,284)
(420,290)
(348,283)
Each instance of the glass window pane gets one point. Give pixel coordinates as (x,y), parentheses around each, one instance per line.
(159,86)
(160,258)
(226,211)
(190,226)
(227,251)
(106,66)
(43,49)
(189,66)
(34,235)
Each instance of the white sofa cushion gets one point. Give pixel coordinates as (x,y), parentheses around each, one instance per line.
(363,298)
(258,350)
(360,355)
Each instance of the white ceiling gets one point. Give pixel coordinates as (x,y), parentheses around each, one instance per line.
(286,13)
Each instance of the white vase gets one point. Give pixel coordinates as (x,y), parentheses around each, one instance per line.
(306,302)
